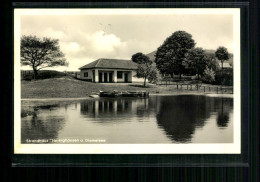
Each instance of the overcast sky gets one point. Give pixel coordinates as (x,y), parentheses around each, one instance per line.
(85,38)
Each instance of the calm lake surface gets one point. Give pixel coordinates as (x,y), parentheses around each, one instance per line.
(157,119)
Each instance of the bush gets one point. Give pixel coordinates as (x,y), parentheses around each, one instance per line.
(195,82)
(154,76)
(225,79)
(45,74)
(208,76)
(50,74)
(28,77)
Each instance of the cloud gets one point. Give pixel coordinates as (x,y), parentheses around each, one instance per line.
(101,45)
(48,32)
(82,40)
(74,46)
(54,34)
(70,47)
(100,41)
(90,47)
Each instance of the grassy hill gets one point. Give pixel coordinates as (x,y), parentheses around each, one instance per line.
(151,55)
(68,87)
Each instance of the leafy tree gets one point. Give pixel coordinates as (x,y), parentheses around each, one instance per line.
(154,75)
(171,54)
(144,67)
(222,55)
(41,53)
(225,78)
(212,62)
(209,75)
(196,61)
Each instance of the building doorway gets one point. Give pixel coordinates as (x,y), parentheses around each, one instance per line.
(110,77)
(93,78)
(126,77)
(100,77)
(105,77)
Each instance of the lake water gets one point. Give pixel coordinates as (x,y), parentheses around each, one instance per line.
(157,119)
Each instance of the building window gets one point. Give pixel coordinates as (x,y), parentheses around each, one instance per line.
(85,74)
(119,74)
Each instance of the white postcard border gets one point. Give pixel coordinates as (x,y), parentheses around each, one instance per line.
(232,148)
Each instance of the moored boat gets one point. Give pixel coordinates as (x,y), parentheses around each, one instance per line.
(94,96)
(124,94)
(109,94)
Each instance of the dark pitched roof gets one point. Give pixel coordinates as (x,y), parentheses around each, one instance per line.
(111,63)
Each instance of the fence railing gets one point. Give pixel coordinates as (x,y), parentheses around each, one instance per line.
(26,72)
(199,87)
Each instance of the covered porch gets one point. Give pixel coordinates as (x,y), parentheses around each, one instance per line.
(111,76)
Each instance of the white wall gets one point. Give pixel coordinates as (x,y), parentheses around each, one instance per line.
(135,79)
(131,76)
(90,74)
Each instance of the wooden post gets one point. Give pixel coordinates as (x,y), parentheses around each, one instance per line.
(177,85)
(187,86)
(209,88)
(181,86)
(204,88)
(217,90)
(190,87)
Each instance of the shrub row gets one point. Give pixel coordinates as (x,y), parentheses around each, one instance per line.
(45,74)
(225,79)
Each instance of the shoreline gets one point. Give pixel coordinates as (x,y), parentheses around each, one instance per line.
(153,94)
(71,89)
(205,94)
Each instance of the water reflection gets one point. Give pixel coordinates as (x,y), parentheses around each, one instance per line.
(107,108)
(157,119)
(223,114)
(41,124)
(222,119)
(180,116)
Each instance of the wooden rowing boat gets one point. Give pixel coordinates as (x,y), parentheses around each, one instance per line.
(124,94)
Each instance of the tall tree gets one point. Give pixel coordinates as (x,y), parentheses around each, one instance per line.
(222,55)
(41,53)
(213,63)
(196,61)
(171,54)
(144,68)
(154,75)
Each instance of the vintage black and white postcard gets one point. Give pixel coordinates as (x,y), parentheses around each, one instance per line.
(127,81)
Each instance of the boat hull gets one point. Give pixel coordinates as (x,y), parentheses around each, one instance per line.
(124,94)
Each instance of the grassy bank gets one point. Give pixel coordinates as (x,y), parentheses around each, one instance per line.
(67,87)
